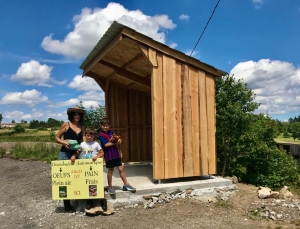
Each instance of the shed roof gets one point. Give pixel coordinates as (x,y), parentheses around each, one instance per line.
(117,29)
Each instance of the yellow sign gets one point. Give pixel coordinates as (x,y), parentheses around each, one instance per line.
(82,179)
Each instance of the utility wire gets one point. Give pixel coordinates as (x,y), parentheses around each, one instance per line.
(206,26)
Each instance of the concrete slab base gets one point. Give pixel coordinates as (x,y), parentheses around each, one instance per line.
(140,176)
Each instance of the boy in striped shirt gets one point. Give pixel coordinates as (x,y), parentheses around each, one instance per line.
(112,156)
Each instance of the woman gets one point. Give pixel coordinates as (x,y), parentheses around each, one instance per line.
(72,130)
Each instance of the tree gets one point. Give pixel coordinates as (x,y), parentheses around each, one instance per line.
(294,129)
(19,128)
(245,141)
(13,121)
(93,115)
(1,118)
(234,107)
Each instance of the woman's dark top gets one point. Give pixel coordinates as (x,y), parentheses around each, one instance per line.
(70,134)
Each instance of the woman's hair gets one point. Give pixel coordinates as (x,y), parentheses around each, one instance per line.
(104,121)
(90,130)
(71,116)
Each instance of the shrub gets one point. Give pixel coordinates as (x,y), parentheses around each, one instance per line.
(19,129)
(270,167)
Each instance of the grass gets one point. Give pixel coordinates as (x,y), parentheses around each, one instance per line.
(280,138)
(30,135)
(41,151)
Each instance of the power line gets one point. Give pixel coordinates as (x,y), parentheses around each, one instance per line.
(206,26)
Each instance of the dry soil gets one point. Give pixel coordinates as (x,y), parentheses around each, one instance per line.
(25,202)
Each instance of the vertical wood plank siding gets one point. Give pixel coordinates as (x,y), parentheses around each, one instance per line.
(157,120)
(183,118)
(174,126)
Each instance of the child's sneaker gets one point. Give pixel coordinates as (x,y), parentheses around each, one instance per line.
(110,190)
(129,188)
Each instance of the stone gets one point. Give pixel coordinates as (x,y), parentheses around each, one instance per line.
(189,191)
(274,195)
(149,197)
(285,194)
(264,192)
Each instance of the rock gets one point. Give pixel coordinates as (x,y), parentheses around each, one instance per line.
(189,191)
(147,197)
(234,179)
(274,195)
(285,194)
(264,192)
(154,199)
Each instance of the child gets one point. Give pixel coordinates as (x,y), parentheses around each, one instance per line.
(90,149)
(112,156)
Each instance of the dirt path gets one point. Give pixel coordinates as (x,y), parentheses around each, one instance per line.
(25,202)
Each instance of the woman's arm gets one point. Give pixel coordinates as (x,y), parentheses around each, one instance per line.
(60,133)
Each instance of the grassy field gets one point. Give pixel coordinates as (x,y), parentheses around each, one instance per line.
(288,140)
(30,135)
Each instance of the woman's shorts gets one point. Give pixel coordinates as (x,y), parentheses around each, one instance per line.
(113,163)
(64,155)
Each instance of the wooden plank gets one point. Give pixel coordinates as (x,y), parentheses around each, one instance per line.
(170,130)
(149,128)
(114,42)
(152,57)
(203,124)
(194,87)
(123,120)
(211,131)
(128,75)
(144,49)
(157,120)
(143,130)
(187,124)
(132,61)
(178,91)
(143,40)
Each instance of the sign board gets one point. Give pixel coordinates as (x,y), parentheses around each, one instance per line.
(82,179)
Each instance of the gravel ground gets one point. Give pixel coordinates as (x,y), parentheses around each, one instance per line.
(26,203)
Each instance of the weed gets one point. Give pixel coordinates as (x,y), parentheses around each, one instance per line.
(222,203)
(2,152)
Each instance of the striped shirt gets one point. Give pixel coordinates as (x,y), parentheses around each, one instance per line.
(110,153)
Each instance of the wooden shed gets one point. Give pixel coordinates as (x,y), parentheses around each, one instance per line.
(161,101)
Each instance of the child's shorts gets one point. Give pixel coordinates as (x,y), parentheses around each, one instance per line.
(113,163)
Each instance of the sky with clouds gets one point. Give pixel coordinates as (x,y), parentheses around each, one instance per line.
(43,43)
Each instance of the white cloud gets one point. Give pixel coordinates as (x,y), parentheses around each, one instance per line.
(258,3)
(17,115)
(172,45)
(275,83)
(184,17)
(92,95)
(34,73)
(91,24)
(28,97)
(84,84)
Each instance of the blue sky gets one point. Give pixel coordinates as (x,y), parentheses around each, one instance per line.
(43,43)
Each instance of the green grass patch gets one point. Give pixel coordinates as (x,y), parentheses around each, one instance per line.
(30,135)
(39,151)
(280,138)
